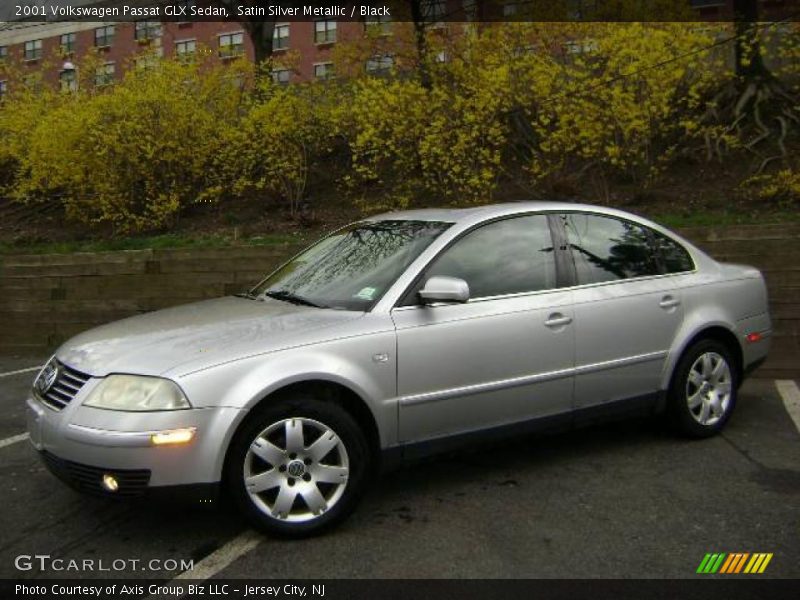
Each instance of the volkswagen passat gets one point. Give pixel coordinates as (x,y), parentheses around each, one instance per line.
(395,337)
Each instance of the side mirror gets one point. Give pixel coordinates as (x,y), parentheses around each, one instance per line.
(444,289)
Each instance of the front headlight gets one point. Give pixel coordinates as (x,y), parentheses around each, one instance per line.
(137,393)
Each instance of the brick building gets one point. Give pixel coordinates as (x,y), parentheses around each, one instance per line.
(49,48)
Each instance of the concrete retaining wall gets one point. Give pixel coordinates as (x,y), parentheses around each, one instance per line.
(45,299)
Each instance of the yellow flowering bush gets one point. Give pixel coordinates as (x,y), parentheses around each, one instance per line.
(526,102)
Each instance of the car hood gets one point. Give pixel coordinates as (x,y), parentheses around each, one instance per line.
(201,334)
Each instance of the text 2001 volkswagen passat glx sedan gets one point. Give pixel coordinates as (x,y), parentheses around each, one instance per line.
(394,337)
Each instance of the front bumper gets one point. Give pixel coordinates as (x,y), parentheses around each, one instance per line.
(133,483)
(80,444)
(89,479)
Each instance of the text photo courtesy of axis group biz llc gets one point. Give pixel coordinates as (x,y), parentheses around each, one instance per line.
(416,298)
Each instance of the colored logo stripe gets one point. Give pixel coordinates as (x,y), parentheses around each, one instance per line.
(711,563)
(758,563)
(734,562)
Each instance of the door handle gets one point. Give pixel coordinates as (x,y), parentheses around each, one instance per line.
(557,320)
(668,302)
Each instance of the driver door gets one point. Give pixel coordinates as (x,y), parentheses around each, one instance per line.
(504,356)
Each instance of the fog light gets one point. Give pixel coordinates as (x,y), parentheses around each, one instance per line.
(173,436)
(110,482)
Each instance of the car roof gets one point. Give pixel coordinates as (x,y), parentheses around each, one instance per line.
(479,213)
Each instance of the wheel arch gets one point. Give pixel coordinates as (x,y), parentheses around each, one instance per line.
(718,332)
(325,389)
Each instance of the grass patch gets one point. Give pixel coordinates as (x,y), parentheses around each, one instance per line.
(723,218)
(718,218)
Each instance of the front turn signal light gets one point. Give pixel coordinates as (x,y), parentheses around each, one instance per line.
(173,436)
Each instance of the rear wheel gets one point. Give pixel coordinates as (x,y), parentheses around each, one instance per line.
(703,392)
(298,466)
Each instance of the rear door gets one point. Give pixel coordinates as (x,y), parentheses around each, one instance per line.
(503,357)
(627,312)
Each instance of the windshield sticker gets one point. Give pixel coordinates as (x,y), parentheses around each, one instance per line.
(367,293)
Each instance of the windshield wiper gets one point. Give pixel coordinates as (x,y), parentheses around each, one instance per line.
(288,296)
(248,295)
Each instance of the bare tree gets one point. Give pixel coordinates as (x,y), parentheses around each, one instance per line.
(756,105)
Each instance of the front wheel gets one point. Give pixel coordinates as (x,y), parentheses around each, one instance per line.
(298,467)
(703,392)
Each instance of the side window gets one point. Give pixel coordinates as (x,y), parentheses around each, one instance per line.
(674,256)
(505,257)
(608,249)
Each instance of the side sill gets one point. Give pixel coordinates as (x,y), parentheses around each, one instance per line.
(638,406)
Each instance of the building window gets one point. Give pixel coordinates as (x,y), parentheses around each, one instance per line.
(68,41)
(104,36)
(105,75)
(281,76)
(146,62)
(185,49)
(231,45)
(381,25)
(3,89)
(586,46)
(380,64)
(324,32)
(33,50)
(3,53)
(323,71)
(69,80)
(280,37)
(147,30)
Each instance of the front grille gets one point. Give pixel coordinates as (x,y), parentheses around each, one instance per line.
(67,384)
(85,478)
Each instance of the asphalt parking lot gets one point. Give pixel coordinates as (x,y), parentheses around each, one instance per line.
(621,500)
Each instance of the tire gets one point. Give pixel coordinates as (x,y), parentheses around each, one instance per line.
(294,486)
(703,391)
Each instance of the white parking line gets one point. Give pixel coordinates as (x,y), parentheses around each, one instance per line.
(14,439)
(219,559)
(790,394)
(21,371)
(222,557)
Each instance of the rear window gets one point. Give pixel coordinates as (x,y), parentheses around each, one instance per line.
(674,257)
(609,249)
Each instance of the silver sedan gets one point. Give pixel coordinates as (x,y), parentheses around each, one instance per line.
(395,337)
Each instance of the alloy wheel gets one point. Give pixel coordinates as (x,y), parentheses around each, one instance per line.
(708,388)
(296,469)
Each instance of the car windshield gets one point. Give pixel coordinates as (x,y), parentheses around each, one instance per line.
(353,267)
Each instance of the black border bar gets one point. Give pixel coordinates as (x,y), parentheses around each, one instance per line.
(420,11)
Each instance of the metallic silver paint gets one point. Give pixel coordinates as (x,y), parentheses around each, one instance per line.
(444,289)
(443,369)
